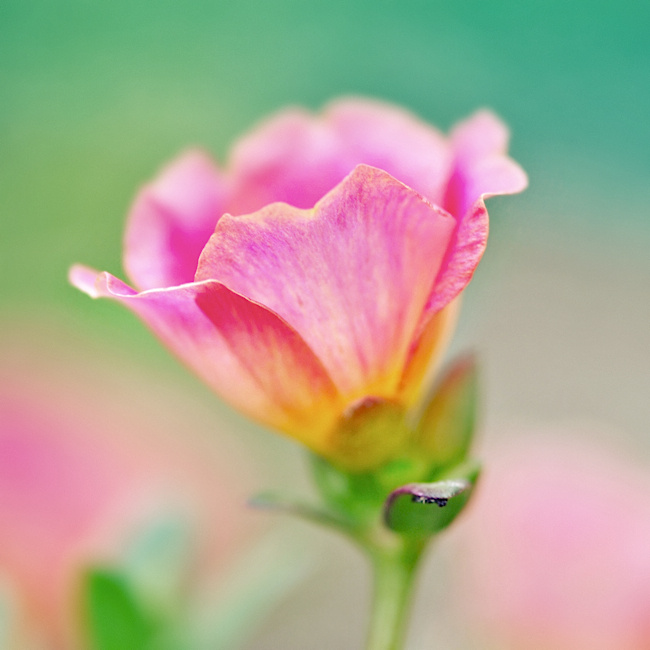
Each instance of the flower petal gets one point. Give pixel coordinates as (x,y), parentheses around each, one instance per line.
(293,157)
(170,221)
(480,135)
(352,276)
(463,256)
(395,140)
(481,167)
(297,157)
(245,352)
(481,170)
(427,351)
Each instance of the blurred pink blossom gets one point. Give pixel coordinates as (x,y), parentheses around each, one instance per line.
(296,311)
(83,469)
(558,548)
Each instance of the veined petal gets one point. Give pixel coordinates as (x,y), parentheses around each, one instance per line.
(171,220)
(395,140)
(463,256)
(352,276)
(245,352)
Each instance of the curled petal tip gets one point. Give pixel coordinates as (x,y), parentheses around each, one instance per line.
(482,166)
(98,284)
(503,176)
(85,279)
(481,144)
(518,178)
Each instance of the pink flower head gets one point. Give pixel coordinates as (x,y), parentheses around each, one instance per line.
(319,268)
(559,553)
(79,478)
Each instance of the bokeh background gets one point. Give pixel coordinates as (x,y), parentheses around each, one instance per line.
(96,96)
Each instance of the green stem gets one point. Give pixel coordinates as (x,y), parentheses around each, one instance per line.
(394,574)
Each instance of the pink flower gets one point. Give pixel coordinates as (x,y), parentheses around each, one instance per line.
(80,477)
(557,556)
(318,270)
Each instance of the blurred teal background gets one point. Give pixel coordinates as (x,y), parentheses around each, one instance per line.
(96,96)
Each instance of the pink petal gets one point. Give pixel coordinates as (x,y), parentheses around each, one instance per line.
(352,276)
(395,140)
(171,220)
(427,351)
(480,135)
(481,170)
(297,157)
(63,491)
(293,157)
(481,167)
(463,256)
(244,351)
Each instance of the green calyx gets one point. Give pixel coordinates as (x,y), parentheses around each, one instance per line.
(425,478)
(403,480)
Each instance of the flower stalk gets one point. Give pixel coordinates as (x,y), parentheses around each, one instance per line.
(394,570)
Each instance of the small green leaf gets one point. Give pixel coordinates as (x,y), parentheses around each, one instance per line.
(422,509)
(115,620)
(447,425)
(355,496)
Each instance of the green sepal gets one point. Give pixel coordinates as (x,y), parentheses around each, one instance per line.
(115,619)
(370,432)
(445,430)
(359,496)
(423,509)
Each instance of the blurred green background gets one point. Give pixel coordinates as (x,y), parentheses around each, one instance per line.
(96,96)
